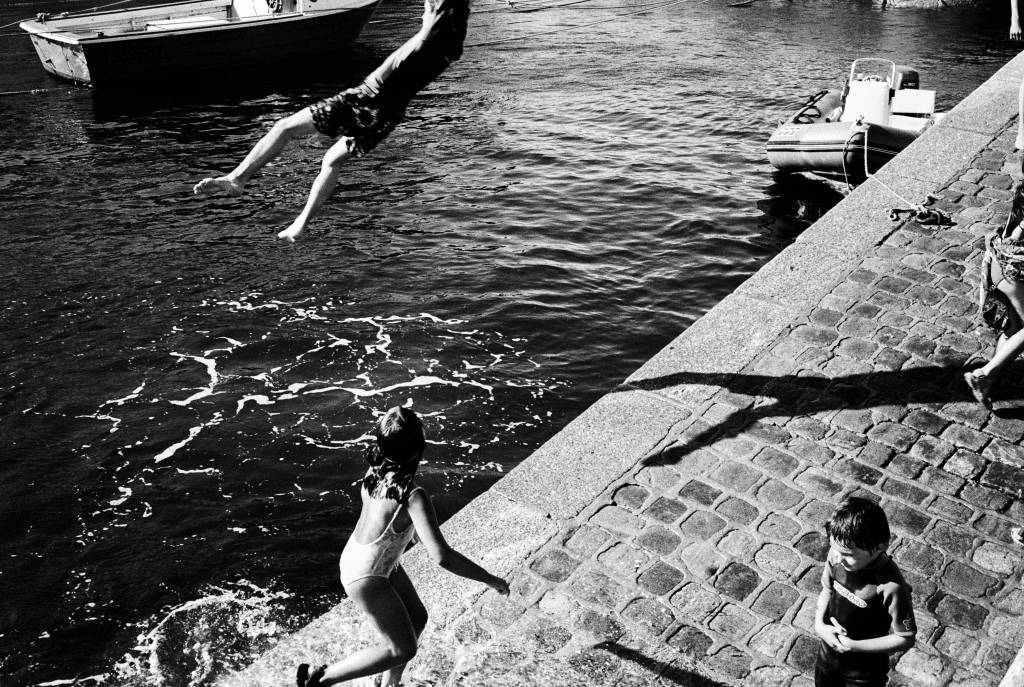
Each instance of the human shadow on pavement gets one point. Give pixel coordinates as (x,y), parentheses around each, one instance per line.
(793,395)
(670,673)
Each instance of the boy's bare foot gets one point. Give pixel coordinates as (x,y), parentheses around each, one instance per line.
(980,386)
(292,232)
(218,185)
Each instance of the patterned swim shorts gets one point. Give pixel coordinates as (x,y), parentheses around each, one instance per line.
(356,114)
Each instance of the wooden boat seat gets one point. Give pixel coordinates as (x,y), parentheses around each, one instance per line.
(194,22)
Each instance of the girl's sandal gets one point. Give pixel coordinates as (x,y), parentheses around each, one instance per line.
(980,385)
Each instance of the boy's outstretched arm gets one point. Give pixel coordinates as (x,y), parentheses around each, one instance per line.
(878,645)
(425,521)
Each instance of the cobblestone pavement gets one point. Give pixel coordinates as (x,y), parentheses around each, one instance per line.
(705,558)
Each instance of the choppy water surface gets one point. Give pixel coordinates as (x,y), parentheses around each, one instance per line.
(185,400)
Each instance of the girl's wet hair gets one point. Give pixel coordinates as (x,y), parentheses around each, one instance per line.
(395,455)
(859,522)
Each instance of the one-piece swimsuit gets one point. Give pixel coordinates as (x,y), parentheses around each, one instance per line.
(380,557)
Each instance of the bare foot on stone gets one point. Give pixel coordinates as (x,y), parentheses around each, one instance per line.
(218,185)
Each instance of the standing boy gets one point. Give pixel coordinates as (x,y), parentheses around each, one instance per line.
(361,116)
(864,611)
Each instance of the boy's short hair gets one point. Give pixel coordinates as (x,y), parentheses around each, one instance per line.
(859,522)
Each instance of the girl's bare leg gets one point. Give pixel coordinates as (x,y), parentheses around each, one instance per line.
(1019,143)
(417,614)
(1008,349)
(389,617)
(265,150)
(322,188)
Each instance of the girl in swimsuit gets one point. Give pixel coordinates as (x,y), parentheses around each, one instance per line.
(394,510)
(1005,267)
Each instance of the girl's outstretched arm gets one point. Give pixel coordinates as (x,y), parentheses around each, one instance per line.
(421,510)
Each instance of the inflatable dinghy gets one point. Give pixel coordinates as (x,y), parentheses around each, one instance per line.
(844,135)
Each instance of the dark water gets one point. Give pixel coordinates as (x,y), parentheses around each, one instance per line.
(185,400)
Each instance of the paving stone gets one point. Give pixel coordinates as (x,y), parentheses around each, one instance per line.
(875,454)
(738,510)
(700,492)
(1006,478)
(808,427)
(925,421)
(803,653)
(666,510)
(856,421)
(660,578)
(955,611)
(776,462)
(778,561)
(695,603)
(771,641)
(923,668)
(733,621)
(857,472)
(966,464)
(970,413)
(599,666)
(941,481)
(554,565)
(731,661)
(914,555)
(593,586)
(736,476)
(690,642)
(932,450)
(1012,603)
(700,525)
(776,600)
(955,642)
(501,611)
(631,496)
(601,625)
(953,539)
(816,513)
(1007,629)
(997,559)
(617,520)
(905,518)
(650,614)
(813,545)
(659,540)
(557,603)
(815,481)
(703,559)
(775,495)
(893,435)
(1010,429)
(624,560)
(737,543)
(844,440)
(778,526)
(984,498)
(903,490)
(661,477)
(810,451)
(737,580)
(995,657)
(966,581)
(906,465)
(965,437)
(587,540)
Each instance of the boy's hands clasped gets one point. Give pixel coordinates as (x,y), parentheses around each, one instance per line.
(834,635)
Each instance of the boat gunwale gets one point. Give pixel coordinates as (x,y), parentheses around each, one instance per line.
(74,34)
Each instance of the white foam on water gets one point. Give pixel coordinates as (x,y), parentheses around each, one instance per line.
(193,432)
(211,369)
(195,642)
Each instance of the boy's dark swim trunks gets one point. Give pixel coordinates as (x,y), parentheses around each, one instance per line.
(356,114)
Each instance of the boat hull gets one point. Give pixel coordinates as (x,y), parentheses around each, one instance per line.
(151,57)
(836,150)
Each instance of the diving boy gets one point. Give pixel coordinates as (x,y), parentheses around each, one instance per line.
(864,610)
(360,117)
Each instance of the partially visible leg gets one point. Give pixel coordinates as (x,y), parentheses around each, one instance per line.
(266,149)
(322,188)
(1013,345)
(389,617)
(417,614)
(1019,143)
